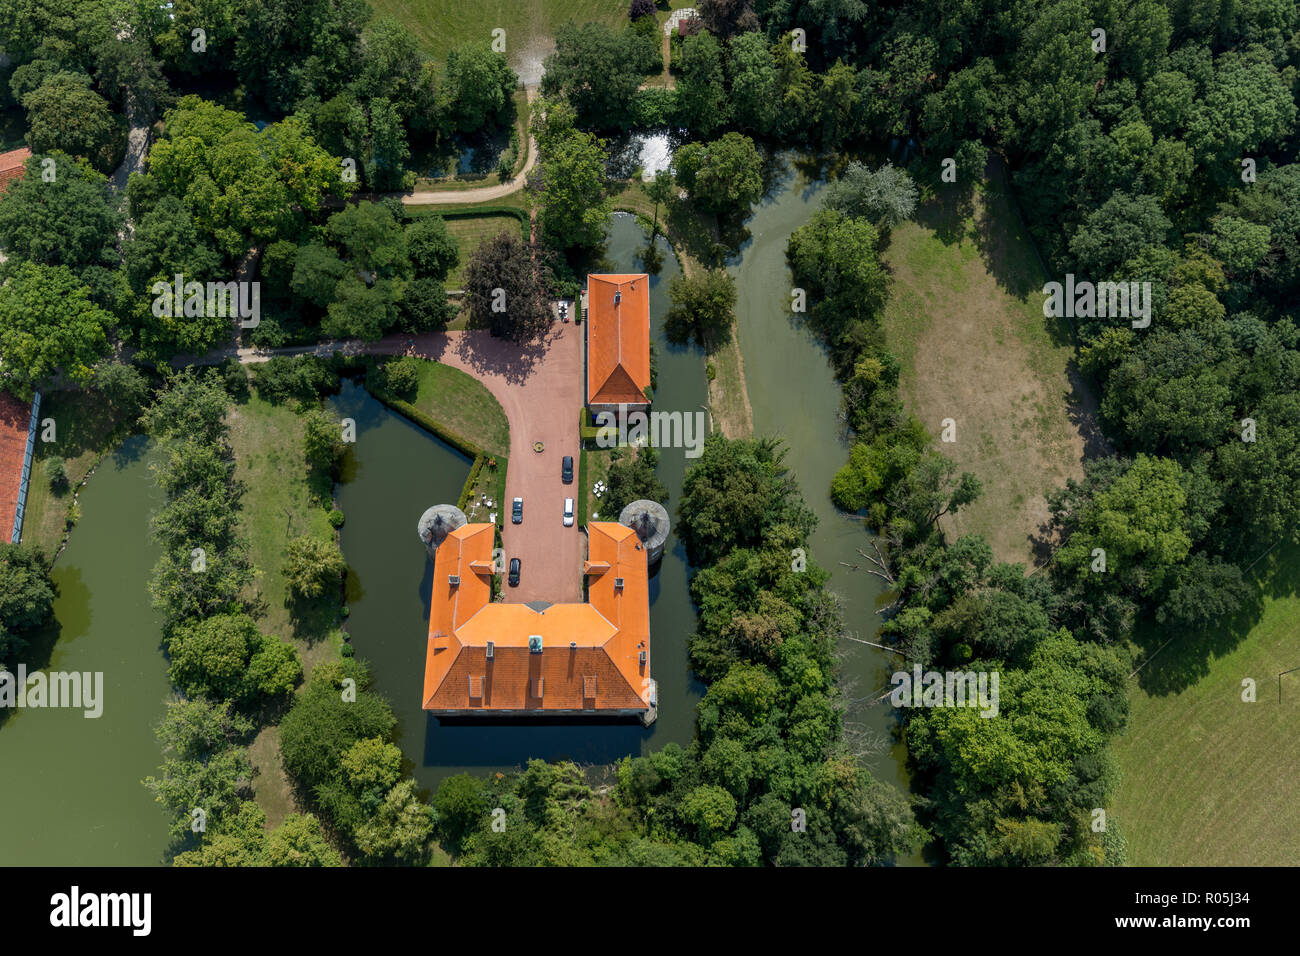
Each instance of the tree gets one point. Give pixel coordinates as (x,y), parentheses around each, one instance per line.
(400,828)
(736,495)
(253,186)
(575,211)
(723,176)
(632,478)
(66,116)
(67,220)
(479,86)
(424,307)
(48,323)
(1118,231)
(299,841)
(728,17)
(285,48)
(322,725)
(165,241)
(433,251)
(226,657)
(313,565)
(505,292)
(26,596)
(703,306)
(662,191)
(123,386)
(372,240)
(322,441)
(461,807)
(752,69)
(701,90)
(1138,520)
(885,197)
(592,69)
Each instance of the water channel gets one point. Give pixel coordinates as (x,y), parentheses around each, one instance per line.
(72,793)
(794,396)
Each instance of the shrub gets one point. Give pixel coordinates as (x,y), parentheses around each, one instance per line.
(57,475)
(401,377)
(336,518)
(312,565)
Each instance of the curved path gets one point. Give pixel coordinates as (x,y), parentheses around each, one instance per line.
(447,197)
(539,386)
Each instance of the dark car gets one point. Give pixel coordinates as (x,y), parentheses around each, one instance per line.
(517,511)
(514,573)
(566,470)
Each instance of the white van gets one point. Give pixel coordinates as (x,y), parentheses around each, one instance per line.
(568,512)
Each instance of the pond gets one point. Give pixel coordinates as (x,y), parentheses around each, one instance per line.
(73,794)
(794,395)
(395,471)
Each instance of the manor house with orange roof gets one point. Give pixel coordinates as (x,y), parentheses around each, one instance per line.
(489,658)
(521,659)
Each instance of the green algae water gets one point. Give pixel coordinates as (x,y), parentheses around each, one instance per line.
(72,793)
(795,397)
(395,470)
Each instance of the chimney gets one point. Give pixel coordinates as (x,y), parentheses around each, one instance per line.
(618,296)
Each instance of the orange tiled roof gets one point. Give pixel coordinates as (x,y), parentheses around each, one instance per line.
(590,654)
(618,339)
(12,166)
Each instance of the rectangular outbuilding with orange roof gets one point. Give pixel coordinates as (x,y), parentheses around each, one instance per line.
(618,342)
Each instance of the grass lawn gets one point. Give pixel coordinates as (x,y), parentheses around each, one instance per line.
(462,404)
(470,233)
(1208,779)
(593,468)
(490,482)
(278,506)
(965,319)
(530,25)
(83,425)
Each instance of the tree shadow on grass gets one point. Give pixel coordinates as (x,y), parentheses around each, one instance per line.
(1187,656)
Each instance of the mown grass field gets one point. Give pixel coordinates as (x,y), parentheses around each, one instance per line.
(470,233)
(529,24)
(463,405)
(1209,779)
(965,319)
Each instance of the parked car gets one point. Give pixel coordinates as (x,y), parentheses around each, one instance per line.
(566,469)
(517,511)
(568,512)
(514,573)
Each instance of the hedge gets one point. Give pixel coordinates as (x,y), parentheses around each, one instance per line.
(478,212)
(586,432)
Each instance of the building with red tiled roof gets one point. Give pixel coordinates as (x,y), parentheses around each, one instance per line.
(618,342)
(13,165)
(489,658)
